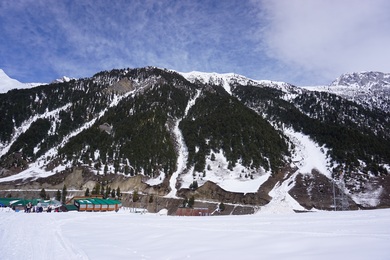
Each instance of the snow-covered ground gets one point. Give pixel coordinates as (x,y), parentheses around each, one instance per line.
(124,235)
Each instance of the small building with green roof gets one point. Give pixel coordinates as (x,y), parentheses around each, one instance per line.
(97,204)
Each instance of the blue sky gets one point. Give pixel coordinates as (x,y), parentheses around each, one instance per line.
(303,42)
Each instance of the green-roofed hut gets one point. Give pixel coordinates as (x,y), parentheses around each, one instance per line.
(19,204)
(5,202)
(97,204)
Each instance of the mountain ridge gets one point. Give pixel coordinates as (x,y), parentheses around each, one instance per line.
(370,89)
(180,131)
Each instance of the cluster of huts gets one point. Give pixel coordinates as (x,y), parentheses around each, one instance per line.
(90,204)
(75,204)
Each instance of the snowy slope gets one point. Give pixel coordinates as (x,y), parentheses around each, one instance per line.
(7,83)
(354,235)
(306,155)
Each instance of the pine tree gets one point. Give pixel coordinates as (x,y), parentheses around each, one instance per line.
(118,192)
(42,194)
(58,195)
(194,185)
(135,196)
(127,169)
(64,193)
(86,194)
(191,202)
(96,189)
(221,207)
(108,192)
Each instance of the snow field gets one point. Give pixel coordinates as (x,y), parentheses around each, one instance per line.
(123,235)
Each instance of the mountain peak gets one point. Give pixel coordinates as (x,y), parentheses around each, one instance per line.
(62,79)
(366,79)
(7,83)
(368,88)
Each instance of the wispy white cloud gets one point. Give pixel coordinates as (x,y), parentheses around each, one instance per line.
(298,41)
(79,38)
(325,38)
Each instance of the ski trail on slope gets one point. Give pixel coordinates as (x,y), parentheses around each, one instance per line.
(182,149)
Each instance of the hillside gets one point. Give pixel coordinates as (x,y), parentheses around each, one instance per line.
(217,137)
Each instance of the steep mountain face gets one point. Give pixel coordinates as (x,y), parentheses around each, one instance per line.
(219,137)
(370,89)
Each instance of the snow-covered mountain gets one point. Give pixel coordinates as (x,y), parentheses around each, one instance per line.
(371,89)
(7,83)
(62,79)
(219,137)
(228,79)
(368,79)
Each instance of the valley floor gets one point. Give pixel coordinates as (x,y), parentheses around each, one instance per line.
(124,235)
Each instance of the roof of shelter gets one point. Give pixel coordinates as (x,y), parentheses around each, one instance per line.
(97,201)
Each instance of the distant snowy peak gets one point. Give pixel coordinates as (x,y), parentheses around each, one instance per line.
(228,79)
(7,83)
(370,89)
(62,79)
(367,80)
